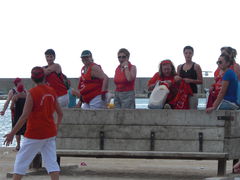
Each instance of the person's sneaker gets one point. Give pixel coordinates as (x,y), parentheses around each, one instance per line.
(167,106)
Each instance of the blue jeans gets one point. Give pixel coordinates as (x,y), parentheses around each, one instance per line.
(227,105)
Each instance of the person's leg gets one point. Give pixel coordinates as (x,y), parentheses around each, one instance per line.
(97,103)
(63,100)
(29,149)
(54,175)
(117,102)
(17,177)
(227,105)
(49,156)
(128,99)
(85,106)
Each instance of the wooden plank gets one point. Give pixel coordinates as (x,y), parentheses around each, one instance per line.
(141,132)
(149,154)
(143,117)
(139,145)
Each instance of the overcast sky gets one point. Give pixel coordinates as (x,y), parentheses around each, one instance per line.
(152,30)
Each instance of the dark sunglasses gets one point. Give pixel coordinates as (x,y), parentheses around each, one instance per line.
(49,56)
(219,62)
(122,57)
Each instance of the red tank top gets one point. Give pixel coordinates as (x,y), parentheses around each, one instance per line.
(56,83)
(121,82)
(89,87)
(40,122)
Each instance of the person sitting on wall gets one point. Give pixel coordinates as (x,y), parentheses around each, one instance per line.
(165,75)
(93,83)
(52,72)
(190,72)
(218,75)
(227,97)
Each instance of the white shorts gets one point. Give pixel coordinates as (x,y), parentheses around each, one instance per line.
(29,149)
(95,103)
(63,100)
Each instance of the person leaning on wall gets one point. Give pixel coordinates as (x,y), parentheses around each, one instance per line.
(124,80)
(227,97)
(190,71)
(93,84)
(165,75)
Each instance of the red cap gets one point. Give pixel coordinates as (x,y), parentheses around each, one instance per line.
(16,81)
(20,88)
(37,72)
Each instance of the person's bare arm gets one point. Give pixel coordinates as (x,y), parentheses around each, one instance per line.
(53,68)
(75,92)
(236,68)
(177,78)
(220,96)
(97,72)
(9,98)
(23,118)
(130,74)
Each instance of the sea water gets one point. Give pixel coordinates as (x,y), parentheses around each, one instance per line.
(6,122)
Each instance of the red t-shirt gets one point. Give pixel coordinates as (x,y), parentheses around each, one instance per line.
(121,82)
(56,83)
(40,123)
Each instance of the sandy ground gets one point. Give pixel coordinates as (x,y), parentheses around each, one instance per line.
(116,169)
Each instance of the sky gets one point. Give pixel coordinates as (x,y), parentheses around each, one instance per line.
(152,30)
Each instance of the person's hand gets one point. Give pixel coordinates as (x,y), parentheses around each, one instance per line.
(236,167)
(169,83)
(125,63)
(187,80)
(8,139)
(177,78)
(209,110)
(2,113)
(78,105)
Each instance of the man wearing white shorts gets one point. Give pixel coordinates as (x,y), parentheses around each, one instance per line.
(40,135)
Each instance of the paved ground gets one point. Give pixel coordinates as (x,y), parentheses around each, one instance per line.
(116,169)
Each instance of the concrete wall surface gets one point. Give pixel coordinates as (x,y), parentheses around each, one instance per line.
(173,130)
(140,85)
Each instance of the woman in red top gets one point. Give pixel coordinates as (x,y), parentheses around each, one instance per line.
(93,83)
(124,79)
(40,135)
(166,74)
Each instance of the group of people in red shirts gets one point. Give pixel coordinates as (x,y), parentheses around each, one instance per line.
(50,94)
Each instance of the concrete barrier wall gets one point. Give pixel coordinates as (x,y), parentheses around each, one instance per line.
(141,84)
(174,130)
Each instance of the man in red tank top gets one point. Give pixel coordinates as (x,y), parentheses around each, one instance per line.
(40,135)
(52,72)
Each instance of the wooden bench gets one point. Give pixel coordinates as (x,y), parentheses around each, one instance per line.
(150,134)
